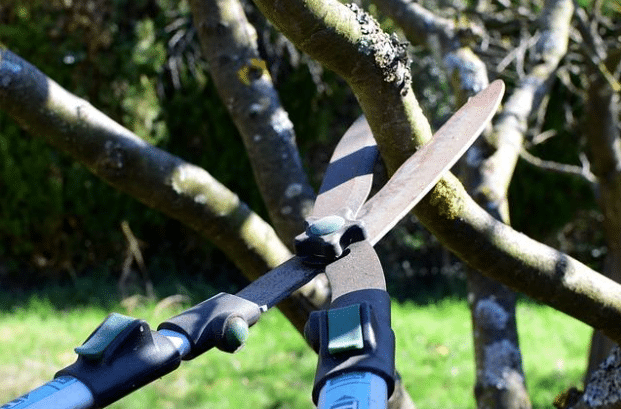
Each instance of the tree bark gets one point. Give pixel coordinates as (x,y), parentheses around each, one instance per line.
(602,389)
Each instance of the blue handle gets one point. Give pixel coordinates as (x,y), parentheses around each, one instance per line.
(361,390)
(61,393)
(66,392)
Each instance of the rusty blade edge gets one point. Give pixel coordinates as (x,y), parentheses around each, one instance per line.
(419,174)
(349,176)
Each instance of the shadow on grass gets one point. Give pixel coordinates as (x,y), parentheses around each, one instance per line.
(104,293)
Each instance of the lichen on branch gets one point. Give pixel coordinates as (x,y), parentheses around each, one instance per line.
(389,52)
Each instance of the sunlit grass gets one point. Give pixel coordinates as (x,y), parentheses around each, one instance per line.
(276,369)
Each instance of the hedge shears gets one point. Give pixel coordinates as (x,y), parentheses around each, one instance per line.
(353,337)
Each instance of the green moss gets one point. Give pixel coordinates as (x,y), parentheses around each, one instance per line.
(446,198)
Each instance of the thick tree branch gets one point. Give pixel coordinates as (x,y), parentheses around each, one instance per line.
(156,178)
(340,38)
(229,44)
(500,381)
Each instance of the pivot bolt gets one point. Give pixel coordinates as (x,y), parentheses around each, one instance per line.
(326,225)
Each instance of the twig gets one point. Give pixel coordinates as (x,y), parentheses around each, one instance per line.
(583,171)
(596,49)
(542,137)
(133,253)
(518,54)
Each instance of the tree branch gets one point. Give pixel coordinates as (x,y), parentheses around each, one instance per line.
(344,40)
(229,44)
(582,171)
(156,178)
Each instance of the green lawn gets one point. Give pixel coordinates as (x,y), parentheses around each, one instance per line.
(276,369)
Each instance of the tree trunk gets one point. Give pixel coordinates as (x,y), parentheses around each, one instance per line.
(500,381)
(604,139)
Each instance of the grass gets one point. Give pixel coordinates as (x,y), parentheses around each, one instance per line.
(435,352)
(276,369)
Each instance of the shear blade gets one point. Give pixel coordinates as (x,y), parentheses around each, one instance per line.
(417,176)
(347,184)
(349,175)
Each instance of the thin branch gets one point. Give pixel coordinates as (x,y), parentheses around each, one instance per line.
(518,54)
(541,137)
(595,48)
(583,171)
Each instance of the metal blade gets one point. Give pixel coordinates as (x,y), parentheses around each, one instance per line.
(358,270)
(273,287)
(349,176)
(415,178)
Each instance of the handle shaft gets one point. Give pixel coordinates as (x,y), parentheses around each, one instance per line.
(66,392)
(362,390)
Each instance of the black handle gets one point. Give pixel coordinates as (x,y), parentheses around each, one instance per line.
(353,335)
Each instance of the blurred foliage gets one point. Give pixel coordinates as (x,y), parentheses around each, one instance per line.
(140,63)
